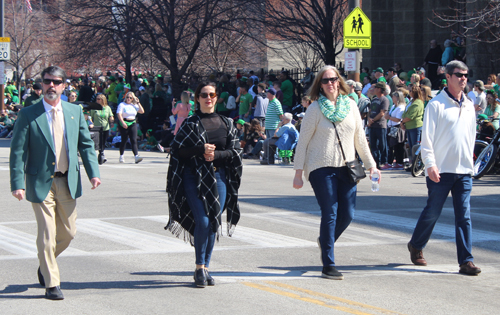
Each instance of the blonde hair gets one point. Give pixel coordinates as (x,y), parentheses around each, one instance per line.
(135,100)
(315,88)
(103,99)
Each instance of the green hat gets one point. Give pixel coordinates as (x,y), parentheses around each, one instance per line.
(159,76)
(444,81)
(139,75)
(127,86)
(379,69)
(240,121)
(112,78)
(145,81)
(482,116)
(244,79)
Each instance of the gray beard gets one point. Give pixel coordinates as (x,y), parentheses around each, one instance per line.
(51,96)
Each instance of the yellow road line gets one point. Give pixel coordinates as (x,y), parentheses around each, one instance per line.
(330,297)
(305,299)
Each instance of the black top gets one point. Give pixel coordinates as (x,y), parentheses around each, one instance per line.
(217,134)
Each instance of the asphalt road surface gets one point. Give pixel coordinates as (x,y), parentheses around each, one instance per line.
(122,261)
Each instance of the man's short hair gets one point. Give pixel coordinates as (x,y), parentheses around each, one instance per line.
(54,71)
(455,64)
(278,83)
(350,82)
(262,86)
(391,69)
(288,116)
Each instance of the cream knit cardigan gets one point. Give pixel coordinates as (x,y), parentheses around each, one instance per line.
(318,144)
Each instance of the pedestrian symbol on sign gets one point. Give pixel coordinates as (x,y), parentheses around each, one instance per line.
(360,24)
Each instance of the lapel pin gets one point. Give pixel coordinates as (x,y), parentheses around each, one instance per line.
(71,117)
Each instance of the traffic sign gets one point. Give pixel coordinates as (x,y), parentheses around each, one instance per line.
(350,61)
(4,48)
(357,30)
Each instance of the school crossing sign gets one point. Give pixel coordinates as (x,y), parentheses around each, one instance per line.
(357,30)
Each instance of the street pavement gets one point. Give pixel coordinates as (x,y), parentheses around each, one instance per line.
(122,261)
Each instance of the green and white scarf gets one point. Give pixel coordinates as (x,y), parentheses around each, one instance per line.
(335,112)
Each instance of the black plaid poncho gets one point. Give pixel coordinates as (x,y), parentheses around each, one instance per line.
(192,133)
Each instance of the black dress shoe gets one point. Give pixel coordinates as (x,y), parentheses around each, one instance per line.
(200,278)
(40,278)
(54,293)
(210,280)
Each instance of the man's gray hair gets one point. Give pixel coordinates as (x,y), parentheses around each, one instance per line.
(350,82)
(288,116)
(54,71)
(455,64)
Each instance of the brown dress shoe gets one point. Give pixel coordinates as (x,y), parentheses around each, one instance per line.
(469,269)
(417,256)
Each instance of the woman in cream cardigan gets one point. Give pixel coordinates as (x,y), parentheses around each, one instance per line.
(319,158)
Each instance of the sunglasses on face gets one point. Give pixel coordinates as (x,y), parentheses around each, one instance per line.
(48,81)
(128,97)
(326,80)
(205,95)
(459,75)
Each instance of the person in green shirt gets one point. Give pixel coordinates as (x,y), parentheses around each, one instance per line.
(221,104)
(35,96)
(413,117)
(119,88)
(102,118)
(287,90)
(10,88)
(15,97)
(245,100)
(110,92)
(351,84)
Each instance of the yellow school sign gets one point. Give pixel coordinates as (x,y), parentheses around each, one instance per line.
(357,30)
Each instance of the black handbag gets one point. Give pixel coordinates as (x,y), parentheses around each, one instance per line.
(354,168)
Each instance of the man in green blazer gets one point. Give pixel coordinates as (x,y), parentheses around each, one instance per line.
(44,169)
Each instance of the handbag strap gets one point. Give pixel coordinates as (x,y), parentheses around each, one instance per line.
(340,142)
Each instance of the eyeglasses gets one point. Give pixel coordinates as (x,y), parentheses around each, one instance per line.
(326,80)
(128,97)
(459,75)
(205,95)
(56,82)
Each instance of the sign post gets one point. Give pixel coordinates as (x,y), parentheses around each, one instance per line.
(357,35)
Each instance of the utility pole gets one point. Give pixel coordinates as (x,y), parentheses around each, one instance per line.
(2,91)
(354,75)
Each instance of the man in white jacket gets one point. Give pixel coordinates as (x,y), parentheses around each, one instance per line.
(448,136)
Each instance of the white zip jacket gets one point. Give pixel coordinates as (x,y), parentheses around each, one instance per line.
(448,135)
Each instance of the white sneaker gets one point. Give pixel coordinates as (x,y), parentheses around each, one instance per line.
(122,159)
(137,159)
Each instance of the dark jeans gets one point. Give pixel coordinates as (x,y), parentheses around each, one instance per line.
(460,186)
(130,132)
(413,136)
(269,149)
(337,199)
(204,236)
(378,144)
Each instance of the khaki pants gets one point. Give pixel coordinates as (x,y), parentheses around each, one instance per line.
(56,220)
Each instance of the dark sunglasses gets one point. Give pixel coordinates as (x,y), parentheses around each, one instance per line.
(459,75)
(326,80)
(129,97)
(205,95)
(56,82)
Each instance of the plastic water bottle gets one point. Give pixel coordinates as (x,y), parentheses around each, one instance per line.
(375,185)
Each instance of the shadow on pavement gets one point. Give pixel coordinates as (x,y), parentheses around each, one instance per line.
(351,268)
(105,285)
(4,143)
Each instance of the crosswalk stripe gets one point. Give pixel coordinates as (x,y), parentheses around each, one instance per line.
(142,240)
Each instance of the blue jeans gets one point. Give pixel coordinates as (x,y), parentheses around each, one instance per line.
(460,186)
(413,137)
(204,236)
(337,199)
(378,144)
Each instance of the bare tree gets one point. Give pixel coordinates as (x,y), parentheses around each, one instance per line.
(297,54)
(97,29)
(175,29)
(26,33)
(316,24)
(476,20)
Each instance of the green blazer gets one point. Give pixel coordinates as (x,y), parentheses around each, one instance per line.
(32,159)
